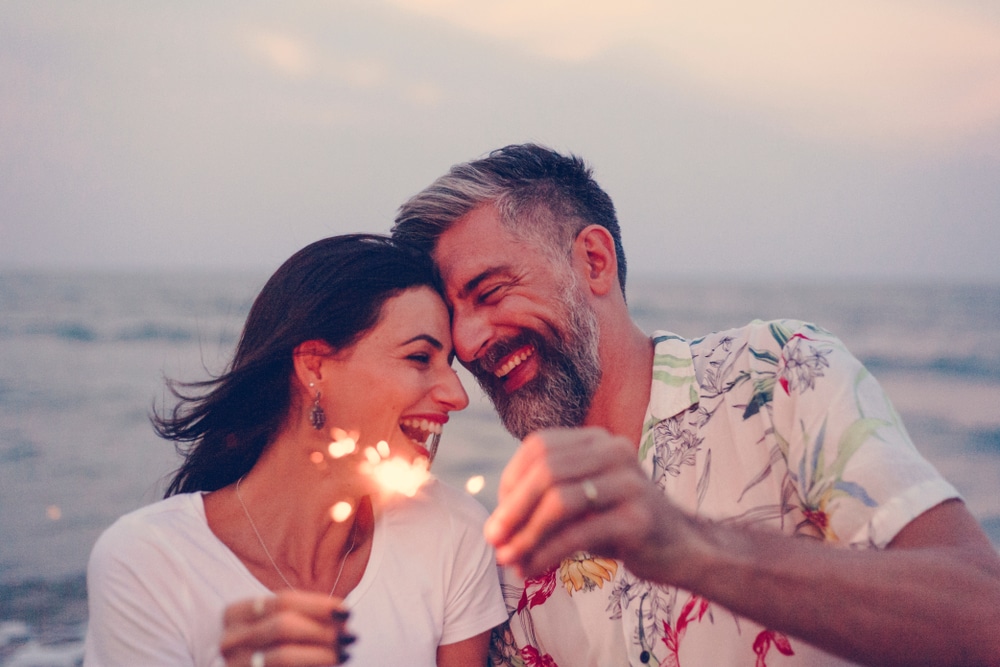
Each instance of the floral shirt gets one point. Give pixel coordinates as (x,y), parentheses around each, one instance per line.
(775,424)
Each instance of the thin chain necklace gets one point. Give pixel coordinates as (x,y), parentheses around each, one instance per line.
(354,537)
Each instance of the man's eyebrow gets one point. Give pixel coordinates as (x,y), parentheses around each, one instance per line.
(471,285)
(438,345)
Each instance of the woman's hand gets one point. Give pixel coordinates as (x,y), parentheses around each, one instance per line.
(289,629)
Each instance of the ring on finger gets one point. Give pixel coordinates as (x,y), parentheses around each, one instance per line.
(257,659)
(259,609)
(589,491)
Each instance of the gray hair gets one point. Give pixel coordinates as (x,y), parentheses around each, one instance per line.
(540,195)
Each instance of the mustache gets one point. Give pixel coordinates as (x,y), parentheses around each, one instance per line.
(483,368)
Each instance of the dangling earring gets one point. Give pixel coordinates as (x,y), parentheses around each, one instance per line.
(316,415)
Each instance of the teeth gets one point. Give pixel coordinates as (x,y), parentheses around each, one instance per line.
(513,362)
(420,429)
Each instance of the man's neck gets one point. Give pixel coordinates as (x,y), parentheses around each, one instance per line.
(620,402)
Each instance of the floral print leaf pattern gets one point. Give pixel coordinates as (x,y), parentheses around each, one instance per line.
(675,446)
(537,590)
(777,455)
(532,658)
(672,636)
(762,644)
(855,436)
(584,571)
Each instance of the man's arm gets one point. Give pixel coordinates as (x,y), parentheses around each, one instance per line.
(931,598)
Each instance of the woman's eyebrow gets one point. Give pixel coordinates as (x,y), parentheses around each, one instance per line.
(426,337)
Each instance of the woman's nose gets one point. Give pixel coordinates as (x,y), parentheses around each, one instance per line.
(451,392)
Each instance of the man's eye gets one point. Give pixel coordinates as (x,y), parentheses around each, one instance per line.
(489,294)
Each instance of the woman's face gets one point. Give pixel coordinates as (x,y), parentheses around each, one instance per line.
(396,383)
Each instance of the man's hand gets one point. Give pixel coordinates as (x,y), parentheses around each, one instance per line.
(569,490)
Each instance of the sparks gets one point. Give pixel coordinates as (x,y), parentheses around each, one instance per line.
(344,443)
(475,484)
(400,476)
(341,511)
(392,474)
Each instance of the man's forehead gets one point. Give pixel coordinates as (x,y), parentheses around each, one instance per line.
(476,245)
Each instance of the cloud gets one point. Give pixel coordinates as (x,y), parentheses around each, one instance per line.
(883,71)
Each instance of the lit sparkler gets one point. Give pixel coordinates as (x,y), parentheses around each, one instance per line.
(392,474)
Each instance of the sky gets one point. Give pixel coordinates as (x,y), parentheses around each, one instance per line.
(773,139)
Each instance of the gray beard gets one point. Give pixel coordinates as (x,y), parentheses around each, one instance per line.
(569,372)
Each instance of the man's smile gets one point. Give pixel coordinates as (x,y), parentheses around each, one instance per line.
(512,361)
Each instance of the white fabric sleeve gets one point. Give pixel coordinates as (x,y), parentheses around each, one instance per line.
(848,450)
(473,602)
(130,621)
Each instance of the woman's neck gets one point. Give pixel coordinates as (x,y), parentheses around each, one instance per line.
(279,520)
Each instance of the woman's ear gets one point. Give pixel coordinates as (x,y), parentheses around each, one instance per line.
(594,250)
(307,359)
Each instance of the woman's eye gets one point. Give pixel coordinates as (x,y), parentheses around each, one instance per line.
(421,358)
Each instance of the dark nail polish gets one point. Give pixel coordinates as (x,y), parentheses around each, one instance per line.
(340,614)
(346,639)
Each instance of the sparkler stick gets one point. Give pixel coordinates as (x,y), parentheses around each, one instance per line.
(435,439)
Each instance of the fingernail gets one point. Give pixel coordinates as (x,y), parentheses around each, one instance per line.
(340,614)
(342,657)
(346,639)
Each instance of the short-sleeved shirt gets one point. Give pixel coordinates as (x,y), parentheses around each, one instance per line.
(159,580)
(774,425)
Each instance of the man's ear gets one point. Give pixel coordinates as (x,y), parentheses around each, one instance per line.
(594,251)
(307,359)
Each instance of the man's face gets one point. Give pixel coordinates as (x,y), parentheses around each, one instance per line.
(521,324)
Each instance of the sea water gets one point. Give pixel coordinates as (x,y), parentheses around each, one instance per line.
(83,357)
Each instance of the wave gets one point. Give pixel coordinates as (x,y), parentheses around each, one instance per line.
(43,623)
(150,331)
(142,332)
(74,331)
(979,368)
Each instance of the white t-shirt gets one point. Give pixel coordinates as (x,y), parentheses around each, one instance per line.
(159,579)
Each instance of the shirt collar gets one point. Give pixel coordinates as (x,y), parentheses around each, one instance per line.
(674,388)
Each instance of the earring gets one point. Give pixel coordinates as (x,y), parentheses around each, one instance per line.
(316,415)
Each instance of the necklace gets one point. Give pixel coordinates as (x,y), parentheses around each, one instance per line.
(343,561)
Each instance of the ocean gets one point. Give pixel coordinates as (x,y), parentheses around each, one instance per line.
(83,357)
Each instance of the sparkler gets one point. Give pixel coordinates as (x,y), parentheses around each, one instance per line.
(392,474)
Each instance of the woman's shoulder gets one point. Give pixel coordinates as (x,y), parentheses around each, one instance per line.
(159,522)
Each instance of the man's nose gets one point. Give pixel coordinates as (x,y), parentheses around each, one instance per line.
(471,333)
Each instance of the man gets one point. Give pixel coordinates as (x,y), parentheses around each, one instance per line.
(748,498)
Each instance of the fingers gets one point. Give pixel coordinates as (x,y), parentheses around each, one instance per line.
(293,628)
(313,605)
(565,513)
(569,490)
(550,460)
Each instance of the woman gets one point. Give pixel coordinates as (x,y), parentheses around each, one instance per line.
(264,527)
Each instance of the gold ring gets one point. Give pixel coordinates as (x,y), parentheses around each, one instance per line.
(589,492)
